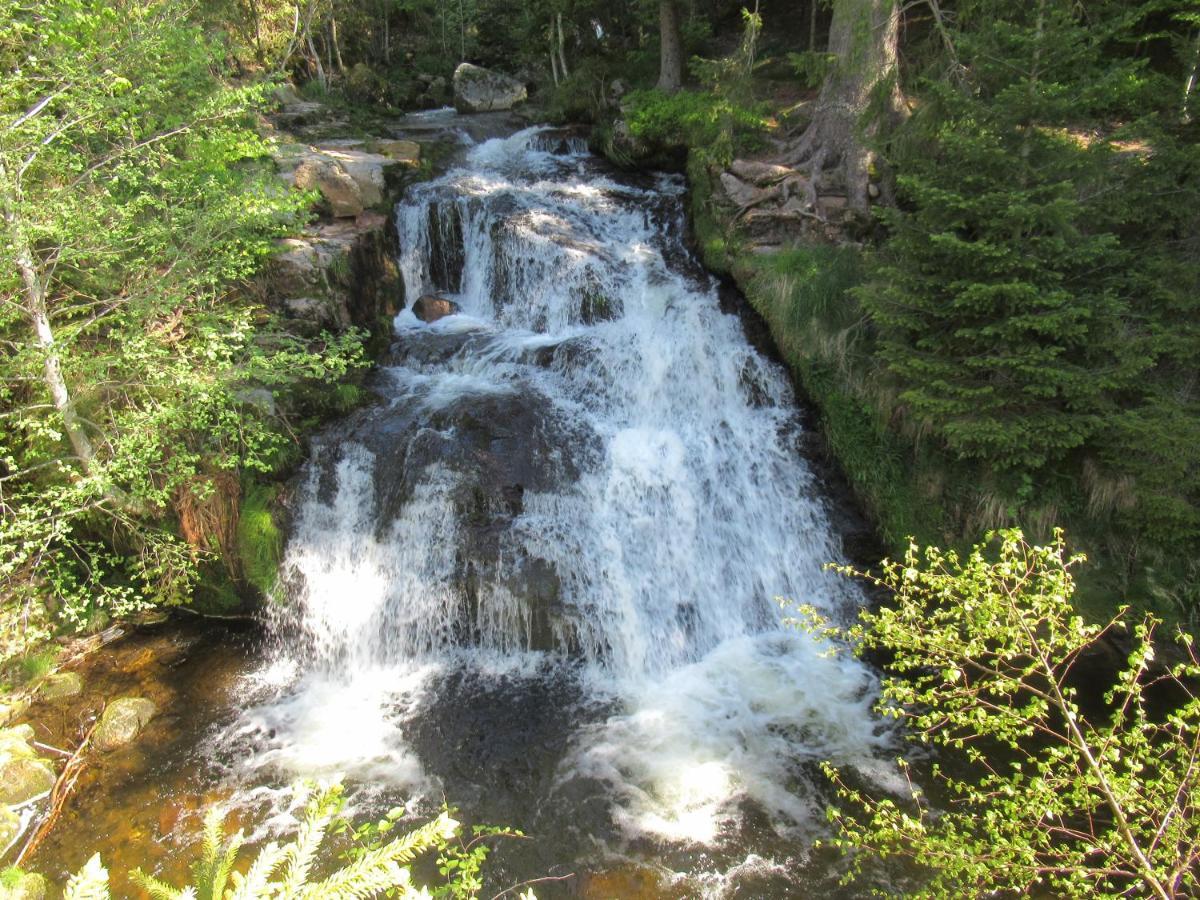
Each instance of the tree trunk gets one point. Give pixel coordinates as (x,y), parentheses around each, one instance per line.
(337,48)
(34,285)
(387,38)
(670,73)
(316,58)
(562,56)
(1189,85)
(862,41)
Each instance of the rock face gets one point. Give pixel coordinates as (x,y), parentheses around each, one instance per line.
(122,721)
(430,308)
(336,275)
(350,177)
(339,190)
(481,90)
(342,273)
(494,448)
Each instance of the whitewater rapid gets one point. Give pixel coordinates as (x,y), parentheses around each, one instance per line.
(641,562)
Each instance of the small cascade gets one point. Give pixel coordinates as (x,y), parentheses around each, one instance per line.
(586,476)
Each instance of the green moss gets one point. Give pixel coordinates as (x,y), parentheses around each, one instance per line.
(260,543)
(216,594)
(710,237)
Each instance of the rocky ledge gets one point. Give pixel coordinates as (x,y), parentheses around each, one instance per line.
(340,271)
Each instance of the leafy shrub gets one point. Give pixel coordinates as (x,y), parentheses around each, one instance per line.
(1058,797)
(694,119)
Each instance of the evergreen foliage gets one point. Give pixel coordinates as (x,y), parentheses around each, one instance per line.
(1035,301)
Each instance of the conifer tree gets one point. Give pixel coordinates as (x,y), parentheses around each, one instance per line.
(1001,299)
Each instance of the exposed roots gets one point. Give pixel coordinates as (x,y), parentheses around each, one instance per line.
(208,514)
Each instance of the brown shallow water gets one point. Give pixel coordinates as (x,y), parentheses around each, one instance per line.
(141,805)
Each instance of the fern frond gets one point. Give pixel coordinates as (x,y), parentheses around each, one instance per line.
(213,838)
(380,869)
(217,856)
(256,883)
(301,853)
(158,890)
(89,883)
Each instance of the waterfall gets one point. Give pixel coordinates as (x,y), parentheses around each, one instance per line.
(587,474)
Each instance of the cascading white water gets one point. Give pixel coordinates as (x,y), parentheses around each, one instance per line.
(668,504)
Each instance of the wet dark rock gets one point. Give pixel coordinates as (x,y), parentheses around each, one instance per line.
(446,253)
(499,446)
(565,356)
(422,349)
(596,307)
(430,308)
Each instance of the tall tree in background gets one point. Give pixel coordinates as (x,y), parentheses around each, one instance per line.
(670,72)
(1036,298)
(860,93)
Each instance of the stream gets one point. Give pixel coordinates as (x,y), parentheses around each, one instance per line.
(537,577)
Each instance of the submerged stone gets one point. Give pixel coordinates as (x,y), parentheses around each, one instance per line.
(122,721)
(10,827)
(61,684)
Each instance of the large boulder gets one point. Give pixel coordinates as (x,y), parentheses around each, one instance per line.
(336,186)
(477,89)
(122,721)
(430,308)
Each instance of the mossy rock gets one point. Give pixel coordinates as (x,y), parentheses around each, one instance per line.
(60,684)
(10,829)
(259,540)
(11,707)
(22,778)
(122,721)
(15,741)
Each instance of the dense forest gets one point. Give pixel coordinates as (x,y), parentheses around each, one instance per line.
(972,227)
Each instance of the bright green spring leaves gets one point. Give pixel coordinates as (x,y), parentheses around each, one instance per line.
(134,187)
(1078,798)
